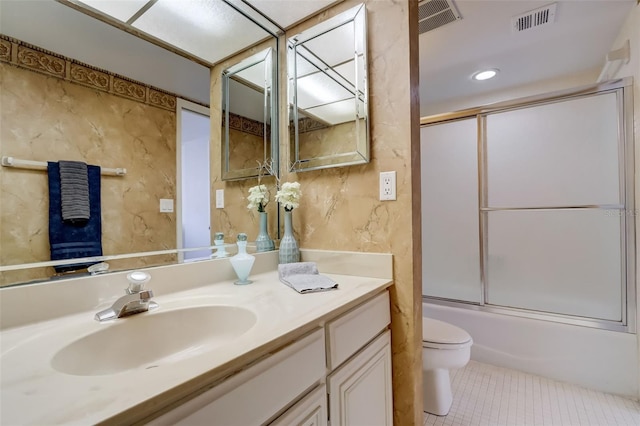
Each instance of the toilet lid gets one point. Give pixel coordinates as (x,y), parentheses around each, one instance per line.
(435,331)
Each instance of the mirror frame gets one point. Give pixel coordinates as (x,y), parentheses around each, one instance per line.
(270,116)
(362,152)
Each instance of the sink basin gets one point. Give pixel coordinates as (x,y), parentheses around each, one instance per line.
(153,339)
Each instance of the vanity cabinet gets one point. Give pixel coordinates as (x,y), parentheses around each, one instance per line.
(359,385)
(351,354)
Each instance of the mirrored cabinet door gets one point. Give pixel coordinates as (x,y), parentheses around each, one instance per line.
(249,111)
(328,94)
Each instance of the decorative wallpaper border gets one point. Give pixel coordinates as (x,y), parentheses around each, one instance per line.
(308,124)
(27,56)
(246,125)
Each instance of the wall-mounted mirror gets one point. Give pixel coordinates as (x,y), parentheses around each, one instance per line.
(249,109)
(328,93)
(73,87)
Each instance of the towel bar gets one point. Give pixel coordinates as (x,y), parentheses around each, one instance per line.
(41,165)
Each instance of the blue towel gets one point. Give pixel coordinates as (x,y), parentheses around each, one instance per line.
(72,240)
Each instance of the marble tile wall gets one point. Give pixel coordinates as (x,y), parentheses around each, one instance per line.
(46,118)
(244,148)
(327,141)
(340,208)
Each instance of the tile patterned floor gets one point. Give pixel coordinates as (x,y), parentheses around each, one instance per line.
(484,395)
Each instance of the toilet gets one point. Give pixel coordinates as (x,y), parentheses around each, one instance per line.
(444,346)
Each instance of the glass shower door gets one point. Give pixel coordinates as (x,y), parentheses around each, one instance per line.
(450,220)
(554,193)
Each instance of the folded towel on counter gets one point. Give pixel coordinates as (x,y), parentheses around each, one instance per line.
(69,240)
(303,277)
(74,191)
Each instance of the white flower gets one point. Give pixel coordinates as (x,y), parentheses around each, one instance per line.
(258,197)
(289,195)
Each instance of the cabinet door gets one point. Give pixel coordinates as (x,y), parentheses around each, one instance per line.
(310,411)
(360,390)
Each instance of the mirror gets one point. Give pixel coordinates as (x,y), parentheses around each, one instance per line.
(328,93)
(88,90)
(248,110)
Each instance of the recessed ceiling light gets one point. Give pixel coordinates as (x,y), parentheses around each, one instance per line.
(485,74)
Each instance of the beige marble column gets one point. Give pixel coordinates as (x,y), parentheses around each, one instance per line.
(340,207)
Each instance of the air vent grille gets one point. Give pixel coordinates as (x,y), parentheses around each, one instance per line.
(433,14)
(535,18)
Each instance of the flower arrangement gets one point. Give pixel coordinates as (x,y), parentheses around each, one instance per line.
(258,197)
(289,195)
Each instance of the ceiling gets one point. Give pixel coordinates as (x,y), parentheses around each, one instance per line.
(65,30)
(206,30)
(578,41)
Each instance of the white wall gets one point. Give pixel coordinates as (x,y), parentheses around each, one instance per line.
(536,88)
(631,31)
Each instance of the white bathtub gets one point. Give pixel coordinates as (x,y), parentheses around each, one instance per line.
(596,359)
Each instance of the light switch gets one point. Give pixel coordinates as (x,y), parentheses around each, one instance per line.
(219,198)
(166,205)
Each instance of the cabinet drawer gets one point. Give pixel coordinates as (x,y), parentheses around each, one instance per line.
(350,332)
(256,394)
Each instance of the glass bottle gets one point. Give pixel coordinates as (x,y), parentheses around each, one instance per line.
(218,240)
(243,261)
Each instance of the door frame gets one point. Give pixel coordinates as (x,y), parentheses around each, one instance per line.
(182,104)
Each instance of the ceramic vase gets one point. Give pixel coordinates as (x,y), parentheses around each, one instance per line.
(243,261)
(289,251)
(263,241)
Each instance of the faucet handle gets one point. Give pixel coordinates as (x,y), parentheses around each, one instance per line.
(137,280)
(146,295)
(98,268)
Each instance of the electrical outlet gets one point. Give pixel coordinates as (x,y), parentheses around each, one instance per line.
(387,186)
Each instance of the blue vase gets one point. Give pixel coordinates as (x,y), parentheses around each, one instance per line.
(263,240)
(289,251)
(243,261)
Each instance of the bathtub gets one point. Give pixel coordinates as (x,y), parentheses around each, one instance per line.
(596,359)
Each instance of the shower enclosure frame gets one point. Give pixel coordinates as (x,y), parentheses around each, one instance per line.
(623,88)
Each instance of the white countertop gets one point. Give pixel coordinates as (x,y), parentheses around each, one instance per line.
(33,392)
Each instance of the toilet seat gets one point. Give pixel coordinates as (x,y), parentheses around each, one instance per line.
(441,335)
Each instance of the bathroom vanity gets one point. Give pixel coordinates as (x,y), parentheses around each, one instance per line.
(213,352)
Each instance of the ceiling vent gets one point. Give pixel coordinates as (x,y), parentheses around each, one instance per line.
(433,14)
(534,18)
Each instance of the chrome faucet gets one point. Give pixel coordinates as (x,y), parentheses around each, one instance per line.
(135,301)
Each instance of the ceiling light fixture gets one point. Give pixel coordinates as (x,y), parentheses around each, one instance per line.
(485,74)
